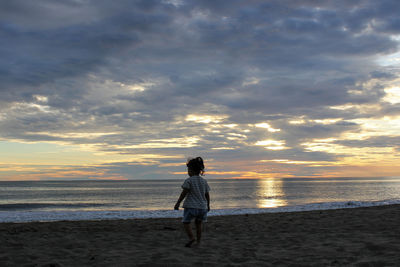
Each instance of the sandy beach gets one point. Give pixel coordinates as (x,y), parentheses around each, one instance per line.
(348,237)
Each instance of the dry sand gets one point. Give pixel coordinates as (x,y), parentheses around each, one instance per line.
(348,237)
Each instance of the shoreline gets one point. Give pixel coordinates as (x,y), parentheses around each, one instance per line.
(87,215)
(366,236)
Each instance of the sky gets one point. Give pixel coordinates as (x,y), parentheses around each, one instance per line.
(96,89)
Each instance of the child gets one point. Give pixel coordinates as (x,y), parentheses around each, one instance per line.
(197,202)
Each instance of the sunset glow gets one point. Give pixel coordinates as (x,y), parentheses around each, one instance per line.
(128,90)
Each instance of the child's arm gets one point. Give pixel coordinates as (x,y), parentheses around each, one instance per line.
(208,200)
(181,197)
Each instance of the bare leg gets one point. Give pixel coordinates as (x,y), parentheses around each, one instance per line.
(188,230)
(198,231)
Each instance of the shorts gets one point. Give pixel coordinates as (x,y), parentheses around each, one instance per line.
(198,214)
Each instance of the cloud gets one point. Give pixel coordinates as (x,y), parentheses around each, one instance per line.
(74,71)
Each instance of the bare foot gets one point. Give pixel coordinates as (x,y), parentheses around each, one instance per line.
(190,243)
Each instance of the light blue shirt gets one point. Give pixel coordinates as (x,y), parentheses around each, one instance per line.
(197,187)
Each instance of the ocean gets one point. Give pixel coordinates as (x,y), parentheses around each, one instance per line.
(26,201)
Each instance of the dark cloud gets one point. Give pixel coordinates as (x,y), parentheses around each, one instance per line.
(137,69)
(379,141)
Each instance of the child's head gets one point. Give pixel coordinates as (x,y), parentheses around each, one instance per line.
(195,166)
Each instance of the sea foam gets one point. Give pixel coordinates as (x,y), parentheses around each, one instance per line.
(45,216)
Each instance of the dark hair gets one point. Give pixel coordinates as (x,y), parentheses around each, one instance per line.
(196,165)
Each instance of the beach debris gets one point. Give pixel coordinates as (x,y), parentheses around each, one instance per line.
(169,228)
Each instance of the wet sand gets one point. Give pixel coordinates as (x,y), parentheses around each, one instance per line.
(347,237)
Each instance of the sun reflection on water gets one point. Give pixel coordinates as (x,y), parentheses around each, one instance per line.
(271,194)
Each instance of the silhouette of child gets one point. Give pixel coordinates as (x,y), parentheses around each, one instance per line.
(197,202)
